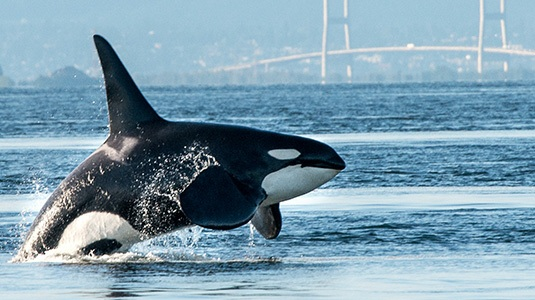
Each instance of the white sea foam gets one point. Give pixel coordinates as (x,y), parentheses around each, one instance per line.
(92,143)
(51,143)
(422,136)
(416,198)
(366,198)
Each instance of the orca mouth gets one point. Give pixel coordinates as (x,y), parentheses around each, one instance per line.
(334,163)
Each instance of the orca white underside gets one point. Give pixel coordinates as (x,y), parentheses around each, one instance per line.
(95,226)
(293,181)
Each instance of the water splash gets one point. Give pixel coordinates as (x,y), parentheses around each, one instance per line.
(115,258)
(251,252)
(163,179)
(160,180)
(251,234)
(181,245)
(171,174)
(39,192)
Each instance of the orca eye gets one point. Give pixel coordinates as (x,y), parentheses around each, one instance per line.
(284,154)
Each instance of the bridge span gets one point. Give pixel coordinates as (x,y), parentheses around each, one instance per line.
(479,50)
(408,48)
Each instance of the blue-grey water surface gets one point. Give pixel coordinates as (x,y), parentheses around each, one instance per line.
(437,200)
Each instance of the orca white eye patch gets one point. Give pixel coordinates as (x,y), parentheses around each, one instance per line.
(284,154)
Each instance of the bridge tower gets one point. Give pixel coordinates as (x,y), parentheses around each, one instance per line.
(327,19)
(483,15)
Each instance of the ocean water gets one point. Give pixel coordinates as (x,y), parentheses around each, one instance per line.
(437,200)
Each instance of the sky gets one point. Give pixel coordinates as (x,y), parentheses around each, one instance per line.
(152,37)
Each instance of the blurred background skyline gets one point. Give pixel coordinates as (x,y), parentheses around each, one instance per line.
(180,42)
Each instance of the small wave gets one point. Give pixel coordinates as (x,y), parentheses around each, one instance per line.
(364,198)
(179,247)
(145,258)
(423,136)
(91,143)
(68,143)
(128,257)
(416,198)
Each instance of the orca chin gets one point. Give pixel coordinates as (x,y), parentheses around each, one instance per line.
(293,181)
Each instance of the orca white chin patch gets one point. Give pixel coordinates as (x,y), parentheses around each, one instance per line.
(96,226)
(293,181)
(284,154)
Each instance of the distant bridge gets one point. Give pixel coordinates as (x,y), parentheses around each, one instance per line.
(479,49)
(408,48)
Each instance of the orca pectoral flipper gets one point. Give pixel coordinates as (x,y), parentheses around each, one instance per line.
(214,200)
(268,221)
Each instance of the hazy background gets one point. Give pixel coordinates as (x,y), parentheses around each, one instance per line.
(166,42)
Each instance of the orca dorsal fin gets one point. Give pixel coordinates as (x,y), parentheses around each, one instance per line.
(127,107)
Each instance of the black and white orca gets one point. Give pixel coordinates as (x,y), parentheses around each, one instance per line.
(153,176)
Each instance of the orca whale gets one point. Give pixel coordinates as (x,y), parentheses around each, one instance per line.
(152,176)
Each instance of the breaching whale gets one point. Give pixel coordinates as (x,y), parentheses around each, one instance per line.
(152,176)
